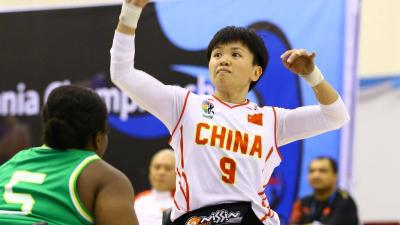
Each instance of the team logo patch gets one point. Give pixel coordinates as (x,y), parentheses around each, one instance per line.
(208,109)
(222,216)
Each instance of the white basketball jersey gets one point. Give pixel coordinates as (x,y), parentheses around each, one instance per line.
(224,154)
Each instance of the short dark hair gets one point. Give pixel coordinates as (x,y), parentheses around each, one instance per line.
(247,37)
(72,116)
(332,162)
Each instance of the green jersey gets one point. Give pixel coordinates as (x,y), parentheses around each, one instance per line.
(40,185)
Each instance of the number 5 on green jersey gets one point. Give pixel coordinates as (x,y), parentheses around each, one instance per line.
(26,200)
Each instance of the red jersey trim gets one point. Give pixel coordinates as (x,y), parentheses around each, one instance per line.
(181,147)
(180,117)
(269,153)
(173,195)
(231,107)
(187,192)
(275,125)
(269,214)
(176,204)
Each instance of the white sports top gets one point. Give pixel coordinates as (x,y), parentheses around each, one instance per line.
(150,204)
(224,154)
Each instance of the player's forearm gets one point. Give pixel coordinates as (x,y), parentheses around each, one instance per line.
(325,93)
(122,28)
(129,17)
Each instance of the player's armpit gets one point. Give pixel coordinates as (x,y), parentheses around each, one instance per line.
(114,200)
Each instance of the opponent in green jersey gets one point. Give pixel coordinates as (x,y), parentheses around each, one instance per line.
(65,182)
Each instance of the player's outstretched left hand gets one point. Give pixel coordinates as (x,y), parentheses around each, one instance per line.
(298,61)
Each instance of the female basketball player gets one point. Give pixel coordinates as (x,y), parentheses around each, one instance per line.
(226,146)
(64,181)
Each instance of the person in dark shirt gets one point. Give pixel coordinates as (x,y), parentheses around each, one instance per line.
(327,205)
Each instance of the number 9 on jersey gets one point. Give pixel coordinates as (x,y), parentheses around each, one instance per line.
(228,168)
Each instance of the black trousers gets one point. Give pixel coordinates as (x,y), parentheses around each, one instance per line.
(238,213)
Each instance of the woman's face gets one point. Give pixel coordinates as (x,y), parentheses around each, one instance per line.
(231,67)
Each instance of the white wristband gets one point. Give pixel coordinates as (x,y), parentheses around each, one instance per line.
(314,78)
(130,15)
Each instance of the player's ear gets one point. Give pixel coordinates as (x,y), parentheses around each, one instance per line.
(95,141)
(100,141)
(257,72)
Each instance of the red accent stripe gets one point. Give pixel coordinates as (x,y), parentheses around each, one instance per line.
(176,204)
(261,193)
(276,146)
(263,198)
(268,214)
(183,175)
(180,187)
(269,153)
(180,117)
(183,192)
(187,192)
(231,107)
(181,146)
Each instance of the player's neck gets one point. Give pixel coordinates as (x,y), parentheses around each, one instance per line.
(323,195)
(231,97)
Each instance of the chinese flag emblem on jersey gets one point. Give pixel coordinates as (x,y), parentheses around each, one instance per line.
(256,119)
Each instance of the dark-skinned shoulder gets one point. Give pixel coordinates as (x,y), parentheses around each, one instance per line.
(107,194)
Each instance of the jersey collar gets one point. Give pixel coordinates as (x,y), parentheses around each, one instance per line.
(229,105)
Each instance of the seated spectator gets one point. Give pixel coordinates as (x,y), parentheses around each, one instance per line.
(327,204)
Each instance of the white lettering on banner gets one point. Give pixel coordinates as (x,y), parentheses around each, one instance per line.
(22,102)
(32,104)
(111,97)
(19,102)
(127,107)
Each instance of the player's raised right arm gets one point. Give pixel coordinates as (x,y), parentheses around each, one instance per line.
(163,101)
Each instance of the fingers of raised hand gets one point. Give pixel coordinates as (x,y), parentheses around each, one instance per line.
(290,55)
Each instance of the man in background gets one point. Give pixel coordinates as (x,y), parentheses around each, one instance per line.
(150,204)
(328,204)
